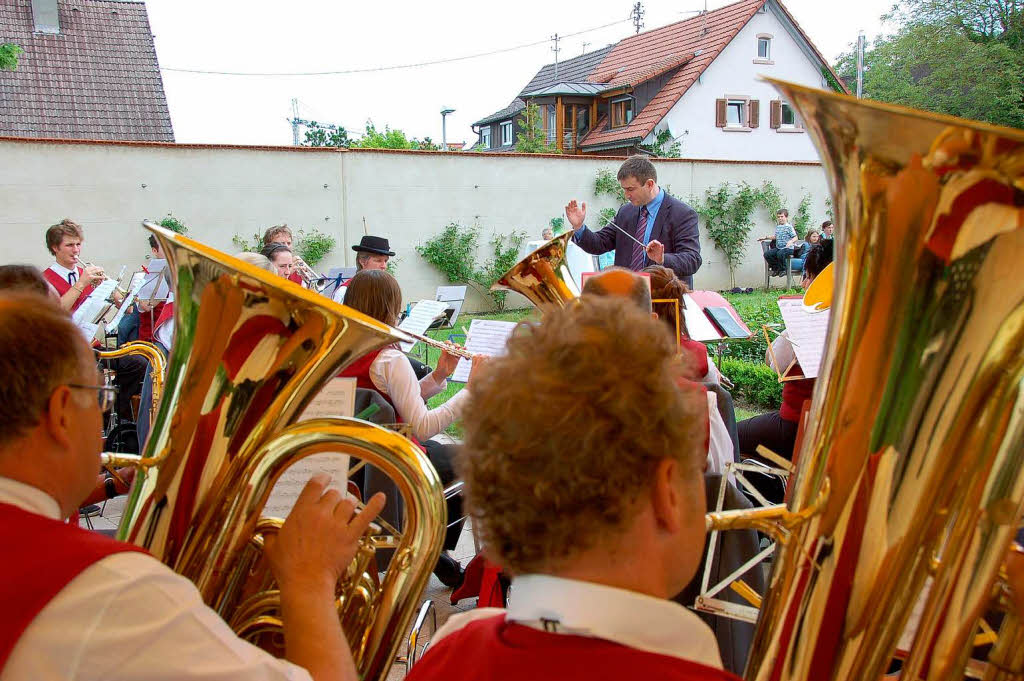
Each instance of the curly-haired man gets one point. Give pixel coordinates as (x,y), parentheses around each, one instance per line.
(589,491)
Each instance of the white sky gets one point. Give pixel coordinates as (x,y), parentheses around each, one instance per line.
(324,35)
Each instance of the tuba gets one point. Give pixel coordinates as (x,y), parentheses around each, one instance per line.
(908,487)
(241,371)
(154,356)
(543,276)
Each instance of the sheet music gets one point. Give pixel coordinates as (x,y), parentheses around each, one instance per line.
(697,323)
(88,313)
(485,337)
(420,318)
(450,293)
(155,287)
(337,398)
(807,332)
(136,282)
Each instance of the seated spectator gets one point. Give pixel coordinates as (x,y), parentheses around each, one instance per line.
(777,430)
(547,234)
(827,229)
(590,493)
(785,240)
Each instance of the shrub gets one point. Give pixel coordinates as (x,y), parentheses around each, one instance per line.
(314,245)
(756,384)
(174,224)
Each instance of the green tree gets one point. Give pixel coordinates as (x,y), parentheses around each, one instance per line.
(320,136)
(532,139)
(665,146)
(962,59)
(9,56)
(389,139)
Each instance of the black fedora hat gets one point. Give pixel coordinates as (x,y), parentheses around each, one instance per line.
(374,244)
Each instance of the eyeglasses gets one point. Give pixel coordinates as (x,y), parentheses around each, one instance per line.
(105,393)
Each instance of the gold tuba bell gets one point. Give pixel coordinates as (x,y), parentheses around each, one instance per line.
(909,484)
(543,276)
(250,352)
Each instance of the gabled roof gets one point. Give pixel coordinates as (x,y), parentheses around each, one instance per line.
(573,70)
(96,79)
(689,46)
(586,89)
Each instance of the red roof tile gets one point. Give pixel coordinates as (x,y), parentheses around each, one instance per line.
(96,79)
(701,38)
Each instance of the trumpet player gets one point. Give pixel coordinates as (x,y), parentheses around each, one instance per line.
(87,606)
(72,279)
(282,234)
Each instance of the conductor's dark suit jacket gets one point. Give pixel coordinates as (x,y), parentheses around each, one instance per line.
(675,227)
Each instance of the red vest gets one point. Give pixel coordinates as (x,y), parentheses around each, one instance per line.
(44,555)
(793,395)
(492,649)
(61,284)
(166,315)
(295,277)
(697,355)
(360,370)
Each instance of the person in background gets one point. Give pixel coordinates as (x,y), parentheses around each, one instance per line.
(281,257)
(785,240)
(72,280)
(547,234)
(599,523)
(282,234)
(137,322)
(372,253)
(813,238)
(777,430)
(665,285)
(827,229)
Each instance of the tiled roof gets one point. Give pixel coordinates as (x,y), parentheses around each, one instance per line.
(576,69)
(563,88)
(97,79)
(692,43)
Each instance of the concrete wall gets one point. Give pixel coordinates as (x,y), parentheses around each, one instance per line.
(734,73)
(406,196)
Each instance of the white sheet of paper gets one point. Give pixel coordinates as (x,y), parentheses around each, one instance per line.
(88,313)
(807,332)
(450,293)
(155,286)
(136,282)
(420,318)
(485,337)
(697,323)
(337,398)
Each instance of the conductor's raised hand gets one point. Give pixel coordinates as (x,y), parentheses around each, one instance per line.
(320,537)
(576,214)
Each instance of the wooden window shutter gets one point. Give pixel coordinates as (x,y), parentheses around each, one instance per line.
(720,105)
(776,114)
(754,115)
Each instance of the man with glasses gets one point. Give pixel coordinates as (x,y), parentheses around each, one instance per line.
(81,605)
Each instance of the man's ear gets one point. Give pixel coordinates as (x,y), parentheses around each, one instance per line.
(665,496)
(57,418)
(654,315)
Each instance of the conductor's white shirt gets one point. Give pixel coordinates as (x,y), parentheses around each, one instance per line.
(128,616)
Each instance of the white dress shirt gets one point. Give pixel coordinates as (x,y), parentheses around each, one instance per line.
(392,375)
(64,272)
(720,449)
(128,616)
(654,625)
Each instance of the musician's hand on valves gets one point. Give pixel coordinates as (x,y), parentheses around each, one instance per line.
(656,251)
(446,364)
(94,274)
(576,214)
(320,537)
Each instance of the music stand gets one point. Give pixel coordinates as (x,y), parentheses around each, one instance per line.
(336,276)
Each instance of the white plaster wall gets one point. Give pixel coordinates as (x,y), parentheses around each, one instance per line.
(406,197)
(734,73)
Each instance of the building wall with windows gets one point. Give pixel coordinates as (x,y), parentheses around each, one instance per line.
(735,77)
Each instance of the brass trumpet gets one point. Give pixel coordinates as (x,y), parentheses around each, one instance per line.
(313,280)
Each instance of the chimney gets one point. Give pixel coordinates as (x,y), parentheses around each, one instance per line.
(44,15)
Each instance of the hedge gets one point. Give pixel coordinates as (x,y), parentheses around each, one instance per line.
(755,384)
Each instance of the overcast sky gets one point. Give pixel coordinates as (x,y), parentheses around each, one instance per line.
(314,35)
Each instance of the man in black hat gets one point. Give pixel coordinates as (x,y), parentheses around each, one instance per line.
(372,253)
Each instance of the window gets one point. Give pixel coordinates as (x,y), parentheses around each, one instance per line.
(736,113)
(788,116)
(485,137)
(552,120)
(622,112)
(506,133)
(764,49)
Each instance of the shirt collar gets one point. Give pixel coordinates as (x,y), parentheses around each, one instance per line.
(61,270)
(29,498)
(655,203)
(633,619)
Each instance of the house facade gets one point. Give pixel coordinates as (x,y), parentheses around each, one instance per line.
(697,82)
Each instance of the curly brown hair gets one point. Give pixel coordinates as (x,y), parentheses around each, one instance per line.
(563,434)
(272,232)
